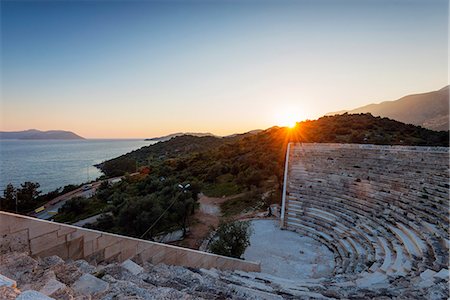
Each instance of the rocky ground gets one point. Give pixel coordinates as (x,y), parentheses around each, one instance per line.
(28,278)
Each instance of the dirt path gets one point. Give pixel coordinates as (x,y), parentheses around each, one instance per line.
(207,216)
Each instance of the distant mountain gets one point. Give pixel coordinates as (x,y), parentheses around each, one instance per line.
(200,134)
(169,136)
(252,132)
(33,134)
(429,110)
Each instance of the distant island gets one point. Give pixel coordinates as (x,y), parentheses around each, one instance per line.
(34,134)
(429,110)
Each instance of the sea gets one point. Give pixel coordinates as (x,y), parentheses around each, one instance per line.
(56,163)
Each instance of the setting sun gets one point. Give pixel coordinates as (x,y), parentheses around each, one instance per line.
(287,118)
(288,123)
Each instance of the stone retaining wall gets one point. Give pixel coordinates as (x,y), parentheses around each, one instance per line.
(43,238)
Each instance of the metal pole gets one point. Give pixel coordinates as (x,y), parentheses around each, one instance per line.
(283,201)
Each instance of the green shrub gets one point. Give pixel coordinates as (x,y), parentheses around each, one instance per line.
(231,239)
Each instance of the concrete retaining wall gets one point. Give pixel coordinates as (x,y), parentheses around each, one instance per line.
(43,238)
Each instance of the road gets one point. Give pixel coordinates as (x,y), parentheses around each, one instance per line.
(51,207)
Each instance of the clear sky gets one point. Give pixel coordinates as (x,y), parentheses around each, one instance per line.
(129,69)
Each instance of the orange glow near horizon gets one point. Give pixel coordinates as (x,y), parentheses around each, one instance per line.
(288,118)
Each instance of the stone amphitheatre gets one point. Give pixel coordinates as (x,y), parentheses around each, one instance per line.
(382,211)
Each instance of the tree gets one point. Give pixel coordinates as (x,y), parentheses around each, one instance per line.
(8,202)
(231,239)
(27,195)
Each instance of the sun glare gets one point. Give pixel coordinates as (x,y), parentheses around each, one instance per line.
(287,121)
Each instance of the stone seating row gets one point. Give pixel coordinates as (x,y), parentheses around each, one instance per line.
(389,230)
(355,213)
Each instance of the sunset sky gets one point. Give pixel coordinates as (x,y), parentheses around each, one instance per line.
(126,69)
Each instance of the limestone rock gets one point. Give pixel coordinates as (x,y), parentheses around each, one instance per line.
(50,261)
(8,293)
(67,273)
(443,274)
(84,266)
(88,285)
(17,266)
(33,295)
(5,281)
(132,267)
(52,287)
(427,274)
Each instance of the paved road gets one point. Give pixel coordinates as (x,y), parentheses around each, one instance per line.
(52,206)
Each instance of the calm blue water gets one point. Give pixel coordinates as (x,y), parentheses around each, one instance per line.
(57,163)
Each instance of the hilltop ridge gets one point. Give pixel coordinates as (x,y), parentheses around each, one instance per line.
(429,110)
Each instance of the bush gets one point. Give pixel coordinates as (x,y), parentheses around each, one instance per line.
(231,239)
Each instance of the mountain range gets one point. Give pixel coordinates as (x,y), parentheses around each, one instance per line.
(34,134)
(429,110)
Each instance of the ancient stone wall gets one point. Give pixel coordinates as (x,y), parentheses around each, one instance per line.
(379,208)
(43,238)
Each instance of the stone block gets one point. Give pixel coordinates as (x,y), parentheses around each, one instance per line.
(96,257)
(4,225)
(45,242)
(60,250)
(113,250)
(17,241)
(132,267)
(52,286)
(443,274)
(88,248)
(427,274)
(5,281)
(65,230)
(38,229)
(75,248)
(87,235)
(129,249)
(106,240)
(33,295)
(89,285)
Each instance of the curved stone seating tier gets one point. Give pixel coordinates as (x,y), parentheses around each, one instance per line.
(354,214)
(387,247)
(402,208)
(378,208)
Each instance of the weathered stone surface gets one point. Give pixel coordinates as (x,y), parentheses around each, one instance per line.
(67,273)
(8,293)
(5,281)
(33,295)
(50,261)
(84,266)
(113,281)
(17,266)
(53,286)
(443,274)
(89,285)
(246,292)
(43,238)
(14,242)
(427,274)
(132,267)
